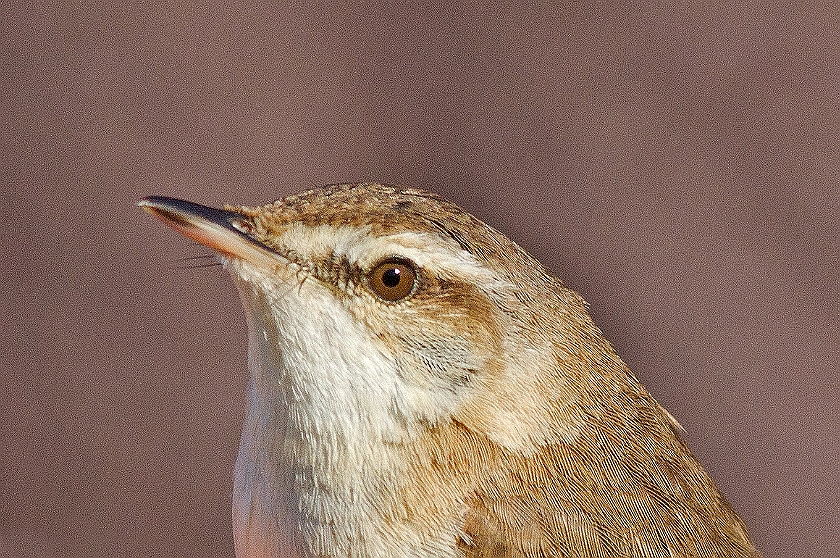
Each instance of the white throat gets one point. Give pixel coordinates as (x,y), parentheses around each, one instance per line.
(321,443)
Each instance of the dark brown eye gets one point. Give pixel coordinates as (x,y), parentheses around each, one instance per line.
(392,279)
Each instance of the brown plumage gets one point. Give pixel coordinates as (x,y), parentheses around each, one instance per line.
(524,434)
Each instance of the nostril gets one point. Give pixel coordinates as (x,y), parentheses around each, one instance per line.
(242,225)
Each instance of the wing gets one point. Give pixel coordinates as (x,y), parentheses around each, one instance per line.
(601,497)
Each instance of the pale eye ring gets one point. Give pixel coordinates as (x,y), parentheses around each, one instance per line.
(392,279)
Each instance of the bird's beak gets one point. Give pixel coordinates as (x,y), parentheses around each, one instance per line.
(224,231)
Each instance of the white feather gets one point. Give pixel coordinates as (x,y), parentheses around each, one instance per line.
(325,415)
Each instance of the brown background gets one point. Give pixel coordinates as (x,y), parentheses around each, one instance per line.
(678,163)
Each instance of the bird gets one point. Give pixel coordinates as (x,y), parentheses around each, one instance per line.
(420,386)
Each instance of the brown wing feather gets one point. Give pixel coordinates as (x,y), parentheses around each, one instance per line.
(603,497)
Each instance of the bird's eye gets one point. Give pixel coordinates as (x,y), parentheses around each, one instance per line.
(392,279)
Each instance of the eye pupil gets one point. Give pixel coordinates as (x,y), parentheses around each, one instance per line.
(392,279)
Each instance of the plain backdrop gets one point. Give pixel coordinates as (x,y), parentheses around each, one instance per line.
(678,163)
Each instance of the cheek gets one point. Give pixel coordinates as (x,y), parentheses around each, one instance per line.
(447,362)
(445,341)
